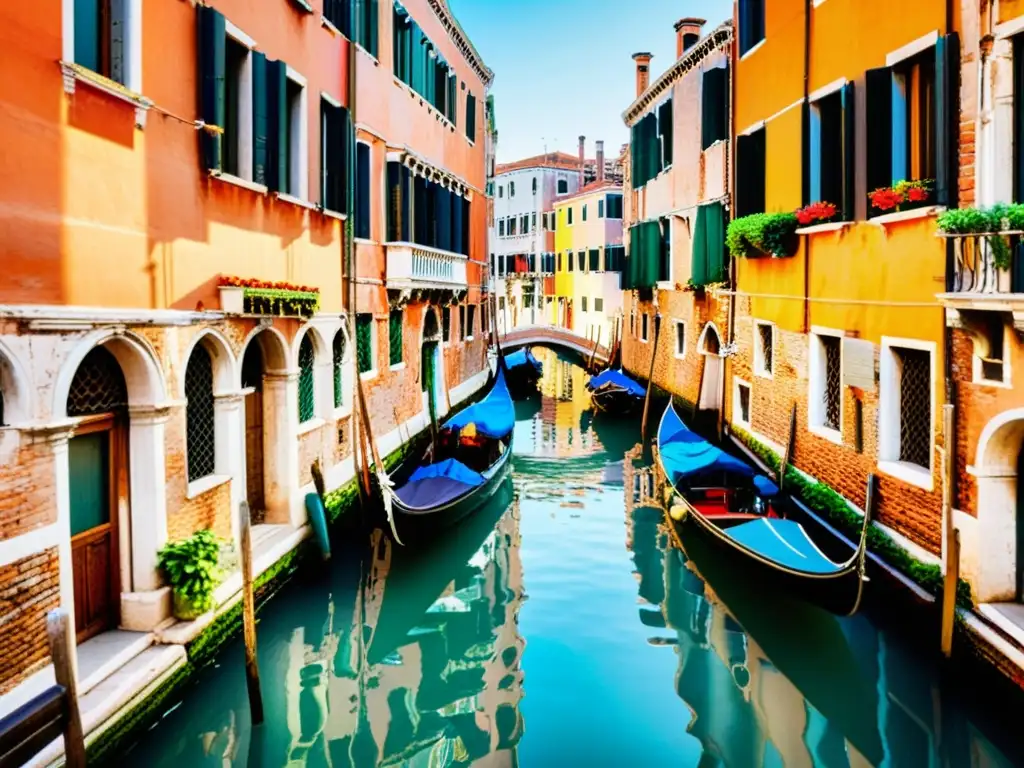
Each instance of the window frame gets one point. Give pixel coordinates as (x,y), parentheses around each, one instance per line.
(977,362)
(737,408)
(132,57)
(759,356)
(681,327)
(746,45)
(645,327)
(245,141)
(817,382)
(374,343)
(890,380)
(298,129)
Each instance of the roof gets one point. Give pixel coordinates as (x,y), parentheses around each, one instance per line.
(561,160)
(594,186)
(717,38)
(461,40)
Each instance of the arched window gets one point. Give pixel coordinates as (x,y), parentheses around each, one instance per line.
(307,399)
(98,386)
(338,355)
(199,429)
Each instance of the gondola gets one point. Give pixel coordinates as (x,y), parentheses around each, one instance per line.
(612,391)
(466,464)
(725,500)
(524,372)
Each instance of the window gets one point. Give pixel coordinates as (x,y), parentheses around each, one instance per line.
(584,212)
(362,201)
(826,383)
(750,173)
(583,303)
(831,170)
(337,361)
(614,206)
(533,183)
(296,138)
(227,98)
(307,389)
(446,324)
(913,118)
(741,403)
(600,209)
(484,327)
(471,125)
(614,257)
(643,327)
(680,351)
(512,225)
(501,191)
(501,228)
(199,414)
(365,25)
(751,13)
(594,259)
(714,98)
(568,216)
(764,349)
(462,322)
(632,322)
(511,189)
(598,304)
(563,187)
(559,262)
(650,254)
(365,343)
(337,12)
(665,132)
(905,410)
(334,138)
(471,321)
(102,33)
(524,223)
(501,303)
(989,357)
(395,337)
(570,260)
(533,222)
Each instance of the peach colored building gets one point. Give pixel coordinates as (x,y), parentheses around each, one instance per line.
(178,331)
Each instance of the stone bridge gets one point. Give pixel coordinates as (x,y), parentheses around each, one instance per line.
(553,337)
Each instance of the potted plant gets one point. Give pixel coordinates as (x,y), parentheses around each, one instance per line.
(193,571)
(232,295)
(817,213)
(772,234)
(901,196)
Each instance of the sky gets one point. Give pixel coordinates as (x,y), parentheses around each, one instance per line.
(563,68)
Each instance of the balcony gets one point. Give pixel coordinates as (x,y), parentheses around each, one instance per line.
(985,271)
(414,268)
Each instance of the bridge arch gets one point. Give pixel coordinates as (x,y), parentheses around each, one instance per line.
(553,337)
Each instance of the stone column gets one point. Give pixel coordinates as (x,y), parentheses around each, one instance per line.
(148,483)
(281,448)
(229,448)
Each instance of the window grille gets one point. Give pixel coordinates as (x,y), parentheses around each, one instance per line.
(395,337)
(364,342)
(915,406)
(307,401)
(833,382)
(337,356)
(199,420)
(767,350)
(98,385)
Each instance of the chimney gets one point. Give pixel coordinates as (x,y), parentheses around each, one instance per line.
(687,33)
(643,74)
(583,144)
(600,161)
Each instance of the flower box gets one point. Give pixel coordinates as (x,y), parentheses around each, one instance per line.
(251,296)
(901,196)
(232,299)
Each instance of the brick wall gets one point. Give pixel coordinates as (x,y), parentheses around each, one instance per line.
(185,516)
(29,588)
(28,499)
(907,509)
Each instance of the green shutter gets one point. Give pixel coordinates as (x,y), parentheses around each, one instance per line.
(373,30)
(87,34)
(211,46)
(714,106)
(453,98)
(878,117)
(946,95)
(849,205)
(665,128)
(471,116)
(277,125)
(364,342)
(395,337)
(584,212)
(708,260)
(346,139)
(259,117)
(307,390)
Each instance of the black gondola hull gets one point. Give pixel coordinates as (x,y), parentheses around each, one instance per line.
(615,400)
(522,381)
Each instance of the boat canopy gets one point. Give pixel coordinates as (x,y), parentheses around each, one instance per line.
(784,542)
(522,357)
(616,379)
(438,483)
(493,417)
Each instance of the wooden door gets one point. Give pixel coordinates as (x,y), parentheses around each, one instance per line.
(254,451)
(96,459)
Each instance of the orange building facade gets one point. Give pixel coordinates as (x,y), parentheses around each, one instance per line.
(179,331)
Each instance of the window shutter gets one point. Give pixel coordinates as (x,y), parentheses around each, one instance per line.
(211,48)
(595,260)
(665,127)
(878,116)
(87,34)
(394,174)
(453,98)
(343,159)
(277,128)
(664,249)
(744,163)
(714,106)
(259,118)
(373,29)
(805,155)
(471,116)
(849,205)
(634,155)
(362,201)
(458,246)
(947,82)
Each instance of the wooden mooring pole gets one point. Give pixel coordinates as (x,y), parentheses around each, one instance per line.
(62,651)
(789,448)
(650,379)
(593,352)
(252,670)
(951,535)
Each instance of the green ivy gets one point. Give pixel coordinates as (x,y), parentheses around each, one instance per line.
(966,221)
(834,508)
(192,568)
(275,301)
(762,233)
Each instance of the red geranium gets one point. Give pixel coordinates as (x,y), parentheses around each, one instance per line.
(816,212)
(917,194)
(886,198)
(252,282)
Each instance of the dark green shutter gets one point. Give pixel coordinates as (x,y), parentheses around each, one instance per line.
(211,46)
(395,337)
(87,34)
(373,30)
(362,201)
(708,261)
(471,116)
(453,98)
(947,84)
(259,117)
(878,116)
(364,343)
(665,125)
(277,125)
(849,205)
(345,165)
(714,105)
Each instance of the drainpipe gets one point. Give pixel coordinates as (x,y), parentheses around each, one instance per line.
(805,143)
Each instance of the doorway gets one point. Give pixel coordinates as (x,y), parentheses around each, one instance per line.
(710,346)
(252,382)
(98,484)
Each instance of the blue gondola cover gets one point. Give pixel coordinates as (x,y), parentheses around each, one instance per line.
(494,416)
(784,542)
(523,357)
(618,379)
(438,483)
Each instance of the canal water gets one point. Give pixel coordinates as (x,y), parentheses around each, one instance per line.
(563,625)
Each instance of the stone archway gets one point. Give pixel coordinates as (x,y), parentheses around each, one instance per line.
(997,557)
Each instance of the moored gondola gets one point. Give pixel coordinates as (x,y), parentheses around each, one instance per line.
(740,511)
(524,372)
(612,391)
(463,468)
